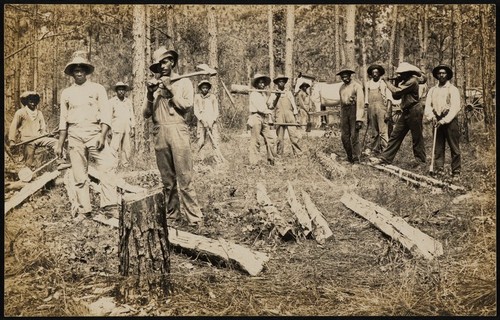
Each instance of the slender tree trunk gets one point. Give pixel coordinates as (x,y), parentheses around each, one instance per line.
(17,68)
(270,26)
(336,40)
(350,33)
(290,27)
(401,42)
(489,115)
(213,47)
(393,39)
(170,26)
(148,32)
(138,72)
(453,40)
(35,49)
(89,36)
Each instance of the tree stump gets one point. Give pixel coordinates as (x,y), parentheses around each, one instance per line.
(144,249)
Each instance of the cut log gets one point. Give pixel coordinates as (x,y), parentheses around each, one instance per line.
(321,230)
(29,189)
(144,250)
(331,165)
(407,178)
(396,227)
(275,216)
(120,183)
(298,210)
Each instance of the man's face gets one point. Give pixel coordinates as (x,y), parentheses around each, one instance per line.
(261,84)
(442,76)
(120,93)
(166,65)
(79,74)
(345,77)
(32,103)
(375,74)
(281,84)
(204,89)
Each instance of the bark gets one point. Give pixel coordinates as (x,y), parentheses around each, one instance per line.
(299,211)
(270,26)
(321,231)
(35,49)
(401,41)
(279,221)
(392,41)
(396,227)
(170,26)
(336,39)
(213,48)
(290,28)
(138,74)
(350,34)
(331,165)
(486,65)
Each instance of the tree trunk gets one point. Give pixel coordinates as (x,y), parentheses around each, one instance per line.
(270,26)
(489,115)
(401,42)
(213,48)
(350,34)
(138,73)
(290,27)
(336,40)
(35,49)
(392,41)
(144,249)
(170,26)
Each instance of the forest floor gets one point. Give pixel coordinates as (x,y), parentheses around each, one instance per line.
(58,266)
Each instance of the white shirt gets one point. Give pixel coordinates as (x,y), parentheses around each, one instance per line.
(441,99)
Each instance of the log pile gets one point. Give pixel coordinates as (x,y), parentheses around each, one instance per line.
(396,227)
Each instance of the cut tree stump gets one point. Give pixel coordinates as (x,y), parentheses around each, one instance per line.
(284,228)
(299,211)
(29,189)
(321,229)
(396,227)
(144,250)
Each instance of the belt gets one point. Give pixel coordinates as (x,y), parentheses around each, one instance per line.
(259,113)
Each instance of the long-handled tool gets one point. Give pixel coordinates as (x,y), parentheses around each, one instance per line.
(25,174)
(6,148)
(216,147)
(242,89)
(431,168)
(35,138)
(291,124)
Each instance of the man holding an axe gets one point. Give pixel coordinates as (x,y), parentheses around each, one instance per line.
(441,107)
(29,123)
(286,113)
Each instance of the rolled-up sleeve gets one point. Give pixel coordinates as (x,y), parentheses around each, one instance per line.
(104,106)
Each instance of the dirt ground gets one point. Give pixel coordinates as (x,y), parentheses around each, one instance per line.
(58,266)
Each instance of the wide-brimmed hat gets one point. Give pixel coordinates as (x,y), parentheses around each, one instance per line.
(27,94)
(280,77)
(304,84)
(78,62)
(202,82)
(449,72)
(259,76)
(120,84)
(160,54)
(407,67)
(345,70)
(376,66)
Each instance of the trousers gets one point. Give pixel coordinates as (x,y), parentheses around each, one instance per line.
(348,133)
(449,133)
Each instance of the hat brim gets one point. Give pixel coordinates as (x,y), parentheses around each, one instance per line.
(267,80)
(25,99)
(348,71)
(449,72)
(280,78)
(125,87)
(378,67)
(69,68)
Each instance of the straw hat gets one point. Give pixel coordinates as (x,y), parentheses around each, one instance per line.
(160,54)
(78,62)
(407,67)
(259,76)
(121,85)
(202,82)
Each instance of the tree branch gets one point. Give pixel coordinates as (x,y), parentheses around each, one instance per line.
(32,43)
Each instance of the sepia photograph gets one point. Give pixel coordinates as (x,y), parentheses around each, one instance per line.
(249,160)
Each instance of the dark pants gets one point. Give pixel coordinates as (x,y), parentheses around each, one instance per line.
(410,120)
(348,133)
(450,133)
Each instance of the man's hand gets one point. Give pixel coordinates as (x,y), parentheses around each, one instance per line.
(59,150)
(359,125)
(100,143)
(387,117)
(152,85)
(439,123)
(204,123)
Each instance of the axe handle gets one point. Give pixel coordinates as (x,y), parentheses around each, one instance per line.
(290,124)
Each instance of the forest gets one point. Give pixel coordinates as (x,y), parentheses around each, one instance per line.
(58,266)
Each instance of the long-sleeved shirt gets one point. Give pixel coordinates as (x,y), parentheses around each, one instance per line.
(287,95)
(182,100)
(352,95)
(83,108)
(123,114)
(378,85)
(304,101)
(27,125)
(206,107)
(442,99)
(257,102)
(407,91)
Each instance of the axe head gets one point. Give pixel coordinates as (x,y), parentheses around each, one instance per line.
(205,68)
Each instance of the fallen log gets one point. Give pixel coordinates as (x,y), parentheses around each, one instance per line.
(284,228)
(299,211)
(321,230)
(408,179)
(331,164)
(396,227)
(29,189)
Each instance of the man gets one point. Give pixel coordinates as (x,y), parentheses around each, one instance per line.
(258,121)
(29,123)
(206,110)
(304,103)
(285,112)
(441,107)
(376,103)
(85,120)
(409,78)
(122,123)
(167,103)
(351,114)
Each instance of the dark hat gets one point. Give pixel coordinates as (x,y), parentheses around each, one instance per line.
(376,66)
(160,54)
(407,67)
(28,94)
(78,62)
(259,76)
(121,84)
(304,84)
(345,70)
(202,82)
(449,72)
(280,77)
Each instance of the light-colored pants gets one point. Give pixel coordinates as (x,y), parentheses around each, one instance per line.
(203,137)
(29,149)
(259,128)
(79,153)
(294,139)
(379,130)
(120,144)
